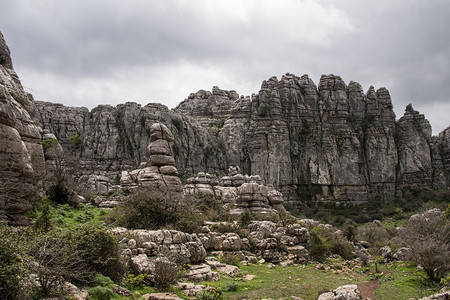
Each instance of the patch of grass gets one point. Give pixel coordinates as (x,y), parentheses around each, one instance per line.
(63,216)
(404,281)
(304,282)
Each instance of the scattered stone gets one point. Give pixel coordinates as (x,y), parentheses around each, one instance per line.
(161,296)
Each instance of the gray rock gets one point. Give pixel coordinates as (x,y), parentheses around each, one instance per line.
(326,142)
(22,164)
(345,292)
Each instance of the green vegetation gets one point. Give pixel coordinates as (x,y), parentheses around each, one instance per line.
(282,283)
(323,243)
(154,210)
(404,281)
(64,216)
(47,144)
(75,140)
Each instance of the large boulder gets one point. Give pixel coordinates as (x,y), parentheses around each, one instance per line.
(345,292)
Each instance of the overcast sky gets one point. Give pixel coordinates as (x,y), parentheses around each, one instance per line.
(86,52)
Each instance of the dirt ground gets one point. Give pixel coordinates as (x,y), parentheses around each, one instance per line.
(367,289)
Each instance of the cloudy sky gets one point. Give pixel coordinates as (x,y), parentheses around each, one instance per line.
(85,52)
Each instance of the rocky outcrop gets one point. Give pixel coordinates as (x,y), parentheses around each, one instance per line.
(330,142)
(22,164)
(160,172)
(239,192)
(115,139)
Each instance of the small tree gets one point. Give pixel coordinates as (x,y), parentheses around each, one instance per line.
(428,236)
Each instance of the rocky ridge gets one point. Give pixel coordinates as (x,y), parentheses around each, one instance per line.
(330,142)
(22,164)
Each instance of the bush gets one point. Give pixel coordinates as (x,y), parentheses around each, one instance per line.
(12,269)
(429,239)
(154,210)
(102,280)
(100,250)
(75,140)
(210,293)
(58,193)
(166,273)
(229,258)
(231,287)
(372,233)
(100,293)
(323,242)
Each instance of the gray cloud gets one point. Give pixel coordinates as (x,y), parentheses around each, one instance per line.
(109,51)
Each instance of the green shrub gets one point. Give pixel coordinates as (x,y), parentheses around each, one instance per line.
(75,139)
(136,281)
(229,258)
(429,240)
(166,273)
(231,287)
(210,293)
(154,210)
(102,280)
(323,242)
(58,193)
(12,269)
(100,293)
(44,221)
(47,144)
(99,250)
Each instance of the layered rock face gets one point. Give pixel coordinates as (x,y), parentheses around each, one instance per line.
(239,192)
(330,142)
(22,164)
(160,172)
(114,139)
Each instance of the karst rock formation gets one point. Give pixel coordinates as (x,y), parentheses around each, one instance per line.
(331,142)
(159,173)
(325,142)
(22,164)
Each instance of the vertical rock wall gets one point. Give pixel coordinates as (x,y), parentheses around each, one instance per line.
(22,164)
(330,142)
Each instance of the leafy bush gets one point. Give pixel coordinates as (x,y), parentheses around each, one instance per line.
(166,273)
(136,281)
(58,193)
(75,139)
(212,209)
(323,242)
(100,293)
(102,280)
(12,269)
(229,258)
(100,250)
(153,210)
(231,287)
(429,239)
(210,293)
(372,232)
(47,144)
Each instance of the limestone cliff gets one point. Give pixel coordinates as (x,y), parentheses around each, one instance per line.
(330,142)
(22,164)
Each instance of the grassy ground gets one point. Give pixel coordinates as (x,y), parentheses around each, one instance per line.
(404,281)
(396,281)
(301,281)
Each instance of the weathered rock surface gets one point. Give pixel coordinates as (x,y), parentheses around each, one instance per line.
(325,142)
(160,172)
(240,192)
(347,292)
(22,164)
